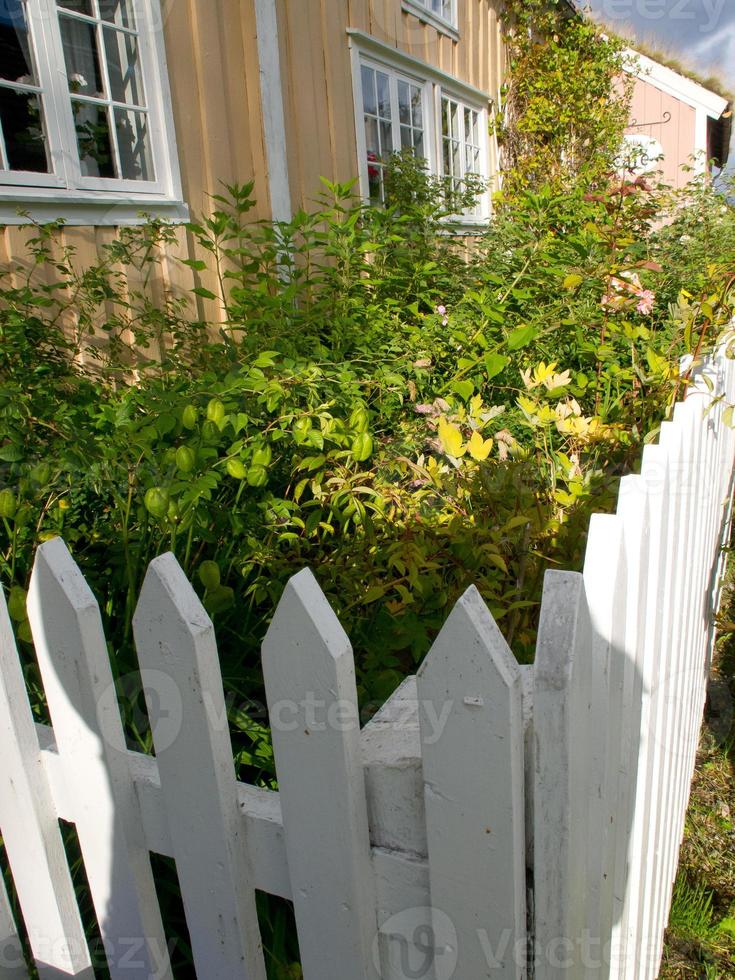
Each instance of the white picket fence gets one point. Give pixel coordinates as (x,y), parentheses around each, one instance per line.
(490,821)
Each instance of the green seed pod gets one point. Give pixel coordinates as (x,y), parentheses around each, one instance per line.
(17,604)
(236,469)
(362,446)
(40,473)
(185,459)
(173,511)
(359,419)
(8,504)
(189,417)
(156,502)
(215,411)
(257,476)
(262,456)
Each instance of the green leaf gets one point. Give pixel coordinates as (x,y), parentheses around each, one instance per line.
(465,389)
(206,293)
(494,364)
(11,453)
(521,336)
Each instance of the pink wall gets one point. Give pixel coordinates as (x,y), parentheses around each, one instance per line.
(677,137)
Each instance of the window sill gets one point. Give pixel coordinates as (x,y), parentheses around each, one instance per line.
(86,209)
(429,17)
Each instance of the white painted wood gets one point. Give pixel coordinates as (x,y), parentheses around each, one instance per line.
(72,655)
(562,705)
(655,479)
(606,721)
(175,640)
(12,962)
(310,686)
(633,514)
(470,710)
(30,830)
(605,580)
(271,97)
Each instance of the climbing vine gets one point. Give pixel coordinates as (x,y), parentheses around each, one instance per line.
(566,97)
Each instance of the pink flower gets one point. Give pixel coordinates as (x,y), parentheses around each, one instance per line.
(442,311)
(646,302)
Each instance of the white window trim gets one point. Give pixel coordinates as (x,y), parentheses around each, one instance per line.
(366,49)
(427,16)
(67,195)
(483,201)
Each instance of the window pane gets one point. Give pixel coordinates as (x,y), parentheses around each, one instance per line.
(371,137)
(79,6)
(369,103)
(118,12)
(81,57)
(445,118)
(93,138)
(404,103)
(123,67)
(22,127)
(454,119)
(417,113)
(386,139)
(16,60)
(134,146)
(383,95)
(406,138)
(375,183)
(418,142)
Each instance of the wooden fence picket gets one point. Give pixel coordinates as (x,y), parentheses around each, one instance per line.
(562,720)
(312,698)
(30,830)
(12,964)
(75,669)
(488,811)
(176,646)
(470,710)
(605,580)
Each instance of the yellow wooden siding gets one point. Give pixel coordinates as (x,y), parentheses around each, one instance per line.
(214,73)
(317,77)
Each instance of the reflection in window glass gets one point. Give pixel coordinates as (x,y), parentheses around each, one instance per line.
(23,139)
(136,160)
(83,70)
(16,61)
(123,68)
(96,156)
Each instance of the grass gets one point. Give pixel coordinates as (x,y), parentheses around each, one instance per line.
(700,941)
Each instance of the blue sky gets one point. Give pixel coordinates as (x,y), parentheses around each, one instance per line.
(702,32)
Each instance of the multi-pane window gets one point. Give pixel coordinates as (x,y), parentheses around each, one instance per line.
(446,9)
(111,120)
(80,101)
(461,143)
(23,142)
(402,105)
(393,113)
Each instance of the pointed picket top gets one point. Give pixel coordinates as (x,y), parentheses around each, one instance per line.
(303,604)
(471,616)
(75,669)
(471,717)
(182,680)
(312,698)
(30,829)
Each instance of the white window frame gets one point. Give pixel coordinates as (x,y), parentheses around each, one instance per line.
(369,51)
(445,25)
(66,193)
(482,208)
(395,74)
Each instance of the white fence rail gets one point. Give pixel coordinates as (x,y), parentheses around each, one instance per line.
(490,821)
